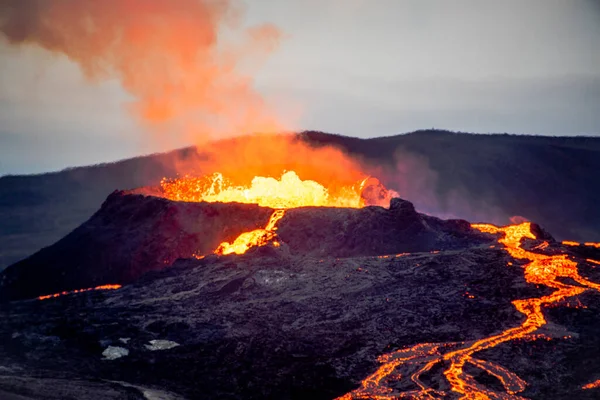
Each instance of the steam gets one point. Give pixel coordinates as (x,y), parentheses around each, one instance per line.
(186,63)
(412,176)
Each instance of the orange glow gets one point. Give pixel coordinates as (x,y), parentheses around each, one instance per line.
(592,385)
(278,171)
(289,191)
(101,287)
(540,269)
(593,261)
(589,244)
(257,237)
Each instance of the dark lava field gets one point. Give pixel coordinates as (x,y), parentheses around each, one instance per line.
(308,319)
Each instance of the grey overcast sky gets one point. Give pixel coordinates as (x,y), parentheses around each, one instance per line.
(355,67)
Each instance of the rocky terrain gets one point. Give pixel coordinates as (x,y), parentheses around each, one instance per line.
(132,234)
(305,320)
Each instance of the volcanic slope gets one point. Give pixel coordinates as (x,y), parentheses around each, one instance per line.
(270,324)
(550,180)
(132,234)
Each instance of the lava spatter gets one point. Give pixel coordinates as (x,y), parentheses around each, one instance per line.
(540,269)
(288,191)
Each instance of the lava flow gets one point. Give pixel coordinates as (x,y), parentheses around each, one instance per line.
(101,287)
(589,244)
(592,385)
(257,237)
(541,270)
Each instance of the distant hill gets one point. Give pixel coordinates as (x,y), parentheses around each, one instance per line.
(550,180)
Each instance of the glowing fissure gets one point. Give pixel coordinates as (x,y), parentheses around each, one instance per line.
(289,191)
(66,292)
(540,270)
(257,237)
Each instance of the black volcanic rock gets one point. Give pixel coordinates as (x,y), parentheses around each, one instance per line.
(132,234)
(262,327)
(307,319)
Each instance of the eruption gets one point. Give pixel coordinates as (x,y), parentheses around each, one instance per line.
(287,192)
(172,56)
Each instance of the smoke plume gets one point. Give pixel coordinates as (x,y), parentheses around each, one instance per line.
(183,61)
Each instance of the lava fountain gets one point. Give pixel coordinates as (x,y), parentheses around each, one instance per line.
(289,191)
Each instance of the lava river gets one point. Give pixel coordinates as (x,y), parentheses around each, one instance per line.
(413,362)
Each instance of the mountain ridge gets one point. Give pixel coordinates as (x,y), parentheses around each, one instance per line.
(478,177)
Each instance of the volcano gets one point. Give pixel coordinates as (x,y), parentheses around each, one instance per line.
(353,294)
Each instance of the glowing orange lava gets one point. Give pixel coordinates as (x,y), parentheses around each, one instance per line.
(101,287)
(289,191)
(541,270)
(257,237)
(593,261)
(592,385)
(589,244)
(570,243)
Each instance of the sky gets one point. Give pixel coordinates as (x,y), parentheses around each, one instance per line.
(355,67)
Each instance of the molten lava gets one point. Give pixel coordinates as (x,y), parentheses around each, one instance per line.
(257,237)
(589,244)
(540,269)
(101,287)
(592,385)
(287,192)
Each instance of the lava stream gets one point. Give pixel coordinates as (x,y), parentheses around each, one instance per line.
(257,237)
(592,385)
(101,287)
(588,244)
(541,270)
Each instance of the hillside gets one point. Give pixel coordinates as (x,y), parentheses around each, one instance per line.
(549,180)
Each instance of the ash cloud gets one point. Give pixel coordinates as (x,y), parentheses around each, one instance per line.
(187,64)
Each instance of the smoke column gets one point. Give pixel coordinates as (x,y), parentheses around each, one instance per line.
(181,60)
